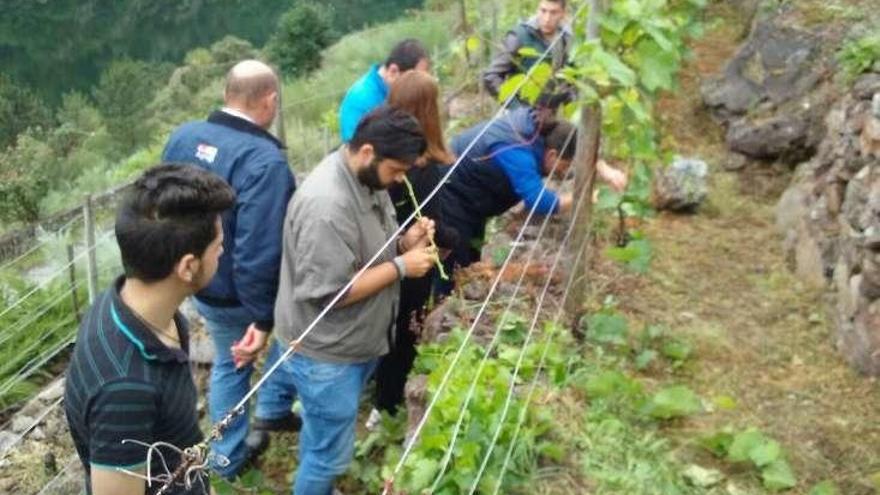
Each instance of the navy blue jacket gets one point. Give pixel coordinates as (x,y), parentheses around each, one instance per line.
(503,168)
(252,161)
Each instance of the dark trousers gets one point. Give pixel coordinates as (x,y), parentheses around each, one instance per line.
(394,367)
(466,251)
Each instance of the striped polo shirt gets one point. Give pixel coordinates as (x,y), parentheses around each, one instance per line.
(125,386)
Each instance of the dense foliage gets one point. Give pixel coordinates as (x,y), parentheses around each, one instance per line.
(302,33)
(55,47)
(20,109)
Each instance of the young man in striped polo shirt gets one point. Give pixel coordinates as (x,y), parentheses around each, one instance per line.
(129,381)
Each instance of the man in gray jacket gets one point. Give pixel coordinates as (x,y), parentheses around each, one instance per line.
(338,220)
(536,35)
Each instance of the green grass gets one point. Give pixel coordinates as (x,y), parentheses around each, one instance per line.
(38,322)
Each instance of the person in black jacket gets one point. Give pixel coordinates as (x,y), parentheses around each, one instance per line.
(417,93)
(506,162)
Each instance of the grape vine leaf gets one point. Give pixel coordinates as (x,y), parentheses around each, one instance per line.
(778,476)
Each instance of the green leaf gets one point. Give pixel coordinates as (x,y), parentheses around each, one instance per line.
(718,443)
(674,402)
(659,37)
(423,472)
(633,102)
(608,328)
(632,34)
(528,52)
(609,384)
(587,92)
(656,66)
(778,476)
(252,479)
(509,86)
(472,44)
(724,402)
(677,350)
(766,453)
(743,444)
(613,23)
(645,358)
(826,487)
(222,487)
(615,67)
(537,81)
(636,255)
(552,450)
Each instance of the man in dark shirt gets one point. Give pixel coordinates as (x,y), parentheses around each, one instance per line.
(129,381)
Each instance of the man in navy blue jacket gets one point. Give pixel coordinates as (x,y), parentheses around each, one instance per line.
(238,305)
(506,165)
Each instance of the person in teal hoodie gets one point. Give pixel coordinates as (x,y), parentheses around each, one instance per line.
(371,89)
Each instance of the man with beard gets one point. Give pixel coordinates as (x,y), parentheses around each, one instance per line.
(129,381)
(338,220)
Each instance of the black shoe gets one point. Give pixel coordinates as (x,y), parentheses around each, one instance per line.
(256,443)
(291,422)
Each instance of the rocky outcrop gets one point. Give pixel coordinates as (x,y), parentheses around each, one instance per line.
(768,97)
(830,217)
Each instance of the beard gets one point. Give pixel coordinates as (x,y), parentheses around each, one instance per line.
(369,176)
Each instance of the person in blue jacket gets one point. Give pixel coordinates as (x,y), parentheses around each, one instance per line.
(370,91)
(506,165)
(238,305)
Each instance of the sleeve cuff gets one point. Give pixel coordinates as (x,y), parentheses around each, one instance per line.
(265,325)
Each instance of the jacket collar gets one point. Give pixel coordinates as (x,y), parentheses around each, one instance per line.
(220,117)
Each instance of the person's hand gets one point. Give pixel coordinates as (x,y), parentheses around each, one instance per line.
(419,235)
(245,351)
(419,261)
(614,177)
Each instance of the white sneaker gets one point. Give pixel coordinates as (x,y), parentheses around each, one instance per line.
(373,421)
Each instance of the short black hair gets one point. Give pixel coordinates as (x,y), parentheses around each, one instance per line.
(394,133)
(407,54)
(556,137)
(560,2)
(169,212)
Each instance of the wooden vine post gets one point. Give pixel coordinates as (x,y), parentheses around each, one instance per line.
(589,130)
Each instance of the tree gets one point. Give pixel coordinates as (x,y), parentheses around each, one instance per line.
(24,178)
(123,95)
(20,109)
(302,33)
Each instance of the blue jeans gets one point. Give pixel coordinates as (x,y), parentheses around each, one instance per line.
(329,393)
(228,385)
